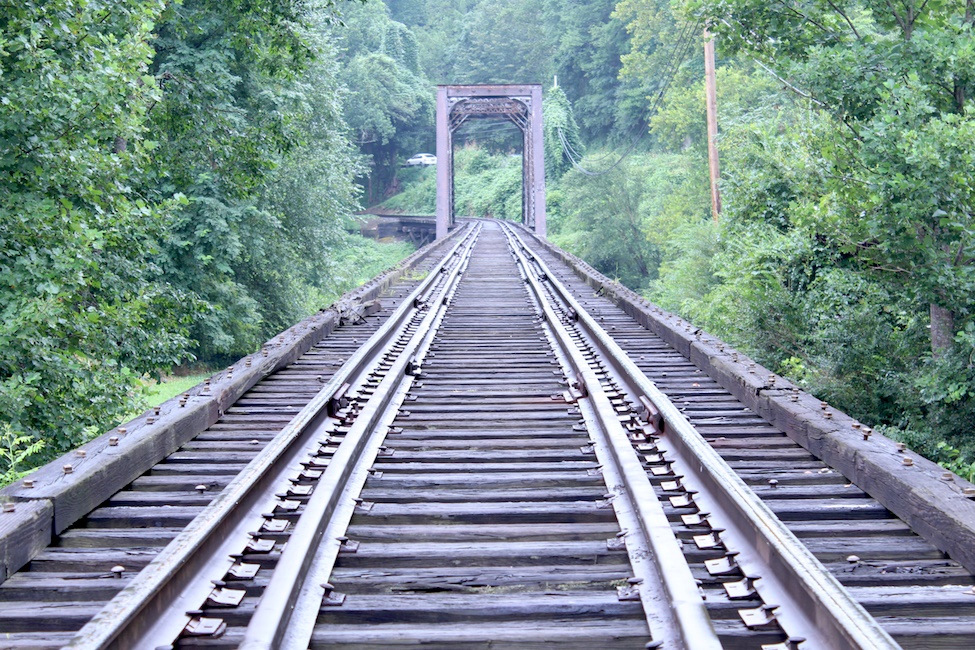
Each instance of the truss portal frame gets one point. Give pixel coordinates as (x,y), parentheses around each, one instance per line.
(522,105)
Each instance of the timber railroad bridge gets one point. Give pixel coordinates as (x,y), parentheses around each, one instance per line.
(490,446)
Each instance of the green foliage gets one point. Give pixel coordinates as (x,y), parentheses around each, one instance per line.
(251,130)
(589,40)
(896,186)
(417,191)
(84,312)
(951,458)
(16,452)
(620,222)
(486,185)
(391,104)
(561,133)
(175,178)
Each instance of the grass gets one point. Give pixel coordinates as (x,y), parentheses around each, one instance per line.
(169,387)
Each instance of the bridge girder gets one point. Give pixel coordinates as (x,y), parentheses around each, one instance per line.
(519,103)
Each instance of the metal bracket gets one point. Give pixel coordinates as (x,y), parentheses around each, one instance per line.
(671,486)
(741,589)
(722,566)
(651,414)
(628,592)
(683,501)
(413,368)
(763,616)
(363,506)
(287,505)
(696,519)
(338,401)
(202,626)
(260,545)
(244,571)
(301,490)
(348,545)
(223,597)
(275,525)
(332,598)
(709,541)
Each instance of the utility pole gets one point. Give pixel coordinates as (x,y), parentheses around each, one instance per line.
(712,105)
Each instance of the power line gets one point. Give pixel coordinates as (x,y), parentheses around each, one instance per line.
(674,62)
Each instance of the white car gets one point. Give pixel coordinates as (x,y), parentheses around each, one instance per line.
(422,159)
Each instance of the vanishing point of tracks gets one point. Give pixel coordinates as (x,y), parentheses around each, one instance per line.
(490,461)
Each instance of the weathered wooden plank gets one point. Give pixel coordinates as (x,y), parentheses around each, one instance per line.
(564,512)
(597,531)
(23,533)
(479,494)
(116,537)
(73,587)
(35,640)
(463,608)
(159,517)
(924,633)
(479,553)
(570,634)
(43,616)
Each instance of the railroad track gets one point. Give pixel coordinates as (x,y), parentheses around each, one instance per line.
(490,469)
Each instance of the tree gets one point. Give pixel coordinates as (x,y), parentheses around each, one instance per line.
(390,106)
(899,189)
(84,314)
(247,92)
(561,134)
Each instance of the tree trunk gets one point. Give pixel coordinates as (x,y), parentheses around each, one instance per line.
(942,329)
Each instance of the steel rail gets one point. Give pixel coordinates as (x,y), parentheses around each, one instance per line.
(153,606)
(675,611)
(813,605)
(291,594)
